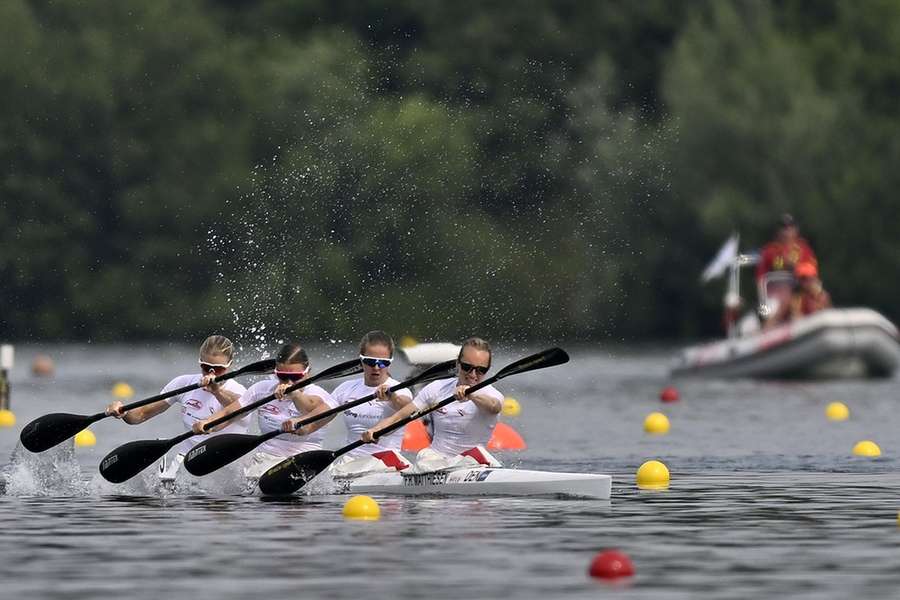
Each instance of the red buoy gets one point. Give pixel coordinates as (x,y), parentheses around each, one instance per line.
(611,564)
(669,394)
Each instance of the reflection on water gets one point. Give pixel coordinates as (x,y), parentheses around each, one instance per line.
(765,501)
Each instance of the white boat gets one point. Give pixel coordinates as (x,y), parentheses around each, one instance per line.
(481,481)
(846,342)
(831,343)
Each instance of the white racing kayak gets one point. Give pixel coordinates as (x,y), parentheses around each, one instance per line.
(477,481)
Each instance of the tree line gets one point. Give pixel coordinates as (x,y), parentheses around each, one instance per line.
(548,169)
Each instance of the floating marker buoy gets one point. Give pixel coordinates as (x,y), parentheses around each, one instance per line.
(656,423)
(7,418)
(837,411)
(866,448)
(653,475)
(85,438)
(122,390)
(415,436)
(511,407)
(407,341)
(611,564)
(669,394)
(363,508)
(505,438)
(42,366)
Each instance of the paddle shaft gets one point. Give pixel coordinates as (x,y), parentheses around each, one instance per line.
(257,367)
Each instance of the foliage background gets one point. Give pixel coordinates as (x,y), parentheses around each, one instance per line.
(534,170)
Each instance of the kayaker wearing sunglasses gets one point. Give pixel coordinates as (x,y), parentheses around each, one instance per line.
(216,356)
(291,365)
(461,428)
(376,353)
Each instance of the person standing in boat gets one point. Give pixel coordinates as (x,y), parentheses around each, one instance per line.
(376,353)
(786,251)
(291,365)
(216,356)
(461,429)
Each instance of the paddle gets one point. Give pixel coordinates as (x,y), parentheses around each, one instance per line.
(45,432)
(218,451)
(129,459)
(291,474)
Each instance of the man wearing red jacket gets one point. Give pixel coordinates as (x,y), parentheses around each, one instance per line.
(786,251)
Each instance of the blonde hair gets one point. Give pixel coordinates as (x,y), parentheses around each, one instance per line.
(217,344)
(478,344)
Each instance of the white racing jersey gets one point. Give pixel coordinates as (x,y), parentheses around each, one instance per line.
(272,414)
(458,426)
(365,416)
(199,404)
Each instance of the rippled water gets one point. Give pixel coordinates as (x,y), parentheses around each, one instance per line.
(765,499)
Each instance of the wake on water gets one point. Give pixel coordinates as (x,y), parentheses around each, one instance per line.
(57,472)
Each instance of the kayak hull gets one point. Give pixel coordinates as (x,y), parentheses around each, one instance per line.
(481,482)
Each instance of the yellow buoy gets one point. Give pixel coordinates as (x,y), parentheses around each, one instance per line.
(866,448)
(837,411)
(511,407)
(122,390)
(85,438)
(653,475)
(408,341)
(362,507)
(7,418)
(656,423)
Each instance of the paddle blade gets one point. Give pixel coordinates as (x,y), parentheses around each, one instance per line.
(344,369)
(260,366)
(290,475)
(129,459)
(218,451)
(45,432)
(541,360)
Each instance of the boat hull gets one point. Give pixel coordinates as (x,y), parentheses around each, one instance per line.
(482,482)
(833,343)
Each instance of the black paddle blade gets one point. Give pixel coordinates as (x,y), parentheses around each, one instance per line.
(129,459)
(291,474)
(45,432)
(219,450)
(541,360)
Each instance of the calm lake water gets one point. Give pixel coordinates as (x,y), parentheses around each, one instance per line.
(766,499)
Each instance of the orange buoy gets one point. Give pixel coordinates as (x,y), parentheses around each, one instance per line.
(669,394)
(505,438)
(611,564)
(415,436)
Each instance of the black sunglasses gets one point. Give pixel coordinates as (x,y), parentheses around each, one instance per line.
(466,367)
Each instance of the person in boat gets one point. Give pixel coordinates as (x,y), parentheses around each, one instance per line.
(216,356)
(786,251)
(376,353)
(291,366)
(808,296)
(463,428)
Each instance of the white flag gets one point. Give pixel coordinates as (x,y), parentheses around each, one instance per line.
(724,259)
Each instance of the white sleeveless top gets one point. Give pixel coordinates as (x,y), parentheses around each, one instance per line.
(365,416)
(271,415)
(459,425)
(199,404)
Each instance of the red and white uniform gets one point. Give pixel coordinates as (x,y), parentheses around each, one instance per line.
(365,416)
(272,414)
(199,404)
(458,426)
